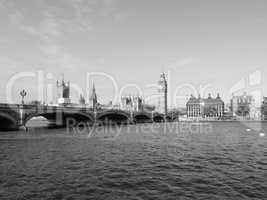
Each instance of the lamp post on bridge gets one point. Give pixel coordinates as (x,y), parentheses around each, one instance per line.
(23,93)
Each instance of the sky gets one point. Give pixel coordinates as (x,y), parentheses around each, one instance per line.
(206,46)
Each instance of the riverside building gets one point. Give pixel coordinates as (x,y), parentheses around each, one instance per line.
(132,103)
(205,108)
(243,106)
(93,103)
(264,109)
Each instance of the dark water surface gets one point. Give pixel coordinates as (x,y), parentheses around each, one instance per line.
(197,161)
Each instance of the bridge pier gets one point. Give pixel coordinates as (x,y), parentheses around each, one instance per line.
(21,119)
(131,120)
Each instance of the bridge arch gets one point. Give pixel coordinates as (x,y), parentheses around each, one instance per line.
(142,117)
(80,116)
(62,117)
(158,117)
(8,121)
(114,116)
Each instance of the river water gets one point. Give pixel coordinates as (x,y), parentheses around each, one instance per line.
(160,161)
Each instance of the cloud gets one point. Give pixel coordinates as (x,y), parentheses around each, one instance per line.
(49,31)
(10,12)
(83,12)
(50,24)
(88,11)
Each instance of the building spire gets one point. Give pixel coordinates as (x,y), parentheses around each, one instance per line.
(63,78)
(163,91)
(93,87)
(209,96)
(64,91)
(93,97)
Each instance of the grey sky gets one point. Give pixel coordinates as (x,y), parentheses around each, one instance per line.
(201,42)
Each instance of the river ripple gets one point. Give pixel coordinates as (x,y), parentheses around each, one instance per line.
(219,161)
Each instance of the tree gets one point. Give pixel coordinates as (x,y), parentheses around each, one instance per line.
(243,110)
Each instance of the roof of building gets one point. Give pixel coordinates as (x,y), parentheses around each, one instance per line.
(209,100)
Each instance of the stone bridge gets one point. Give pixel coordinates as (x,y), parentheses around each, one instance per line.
(15,116)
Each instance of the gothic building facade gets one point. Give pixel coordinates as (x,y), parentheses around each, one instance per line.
(93,99)
(63,92)
(243,106)
(132,103)
(163,95)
